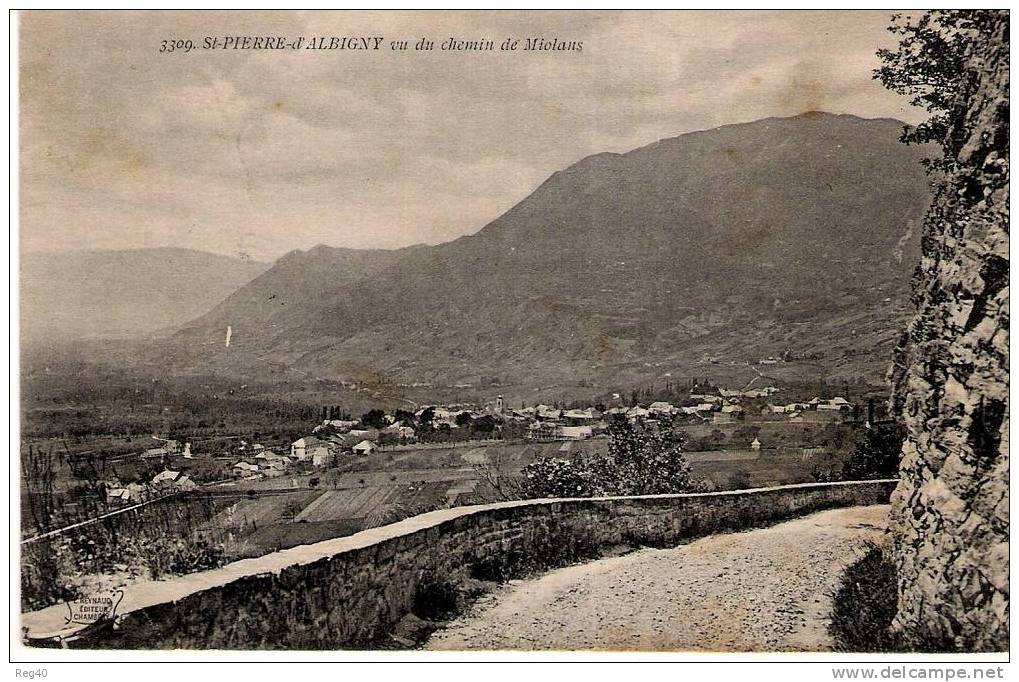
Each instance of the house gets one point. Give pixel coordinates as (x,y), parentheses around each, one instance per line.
(637,413)
(755,444)
(661,407)
(400,431)
(152,453)
(579,417)
(121,495)
(576,432)
(835,404)
(365,434)
(546,412)
(306,448)
(243,468)
(270,460)
(365,447)
(323,456)
(320,452)
(341,425)
(184,483)
(298,449)
(544,431)
(164,477)
(276,464)
(173,479)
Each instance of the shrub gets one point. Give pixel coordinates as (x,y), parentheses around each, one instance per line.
(554,477)
(640,462)
(864,606)
(436,601)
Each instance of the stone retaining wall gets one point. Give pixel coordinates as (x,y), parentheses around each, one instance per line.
(350,592)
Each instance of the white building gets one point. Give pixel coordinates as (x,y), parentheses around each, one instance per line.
(661,407)
(365,447)
(309,447)
(165,476)
(576,432)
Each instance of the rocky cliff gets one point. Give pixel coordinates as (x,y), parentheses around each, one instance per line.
(950,512)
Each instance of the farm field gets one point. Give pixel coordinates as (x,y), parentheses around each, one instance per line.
(387,485)
(728,470)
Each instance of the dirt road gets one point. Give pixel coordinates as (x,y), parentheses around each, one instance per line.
(762,590)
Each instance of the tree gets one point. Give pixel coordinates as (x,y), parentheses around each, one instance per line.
(485,425)
(427,415)
(39,474)
(640,462)
(932,65)
(404,417)
(463,419)
(647,462)
(374,419)
(876,454)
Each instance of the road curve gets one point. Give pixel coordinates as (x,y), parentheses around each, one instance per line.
(762,590)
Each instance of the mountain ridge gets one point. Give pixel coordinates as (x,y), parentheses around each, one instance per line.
(654,256)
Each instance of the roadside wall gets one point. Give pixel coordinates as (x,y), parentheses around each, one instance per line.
(349,592)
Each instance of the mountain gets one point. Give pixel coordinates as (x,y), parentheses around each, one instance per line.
(785,237)
(68,295)
(299,286)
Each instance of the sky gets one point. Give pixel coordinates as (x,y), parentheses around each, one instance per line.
(256,153)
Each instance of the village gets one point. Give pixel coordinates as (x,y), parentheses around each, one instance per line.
(336,442)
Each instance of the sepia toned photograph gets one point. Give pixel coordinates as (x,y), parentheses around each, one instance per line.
(444,332)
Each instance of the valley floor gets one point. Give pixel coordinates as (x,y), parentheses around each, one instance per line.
(767,589)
